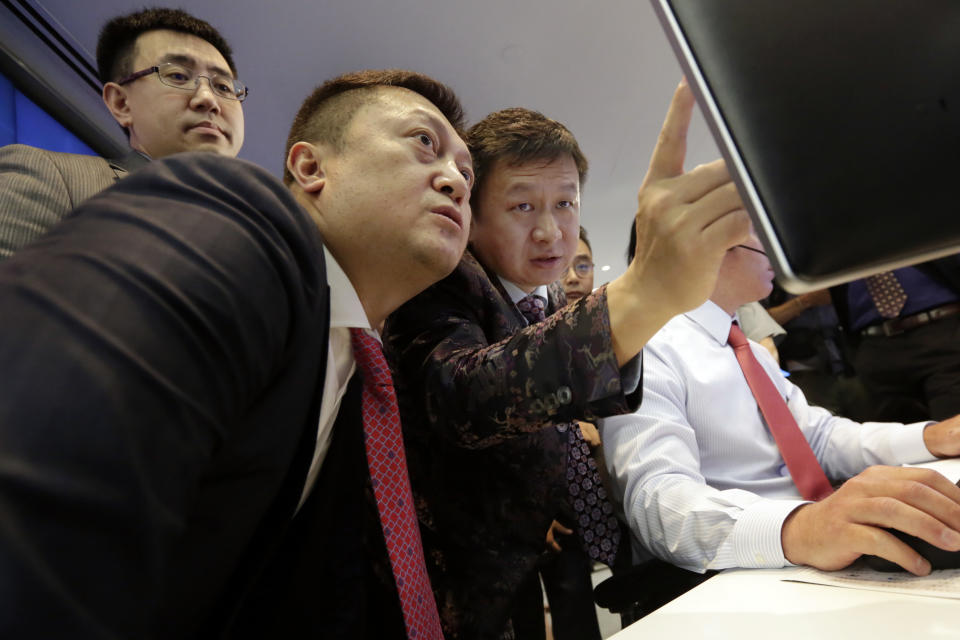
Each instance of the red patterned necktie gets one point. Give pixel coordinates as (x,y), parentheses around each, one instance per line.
(804,468)
(391,487)
(596,523)
(887,293)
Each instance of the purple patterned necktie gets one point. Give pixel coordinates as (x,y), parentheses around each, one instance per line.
(391,487)
(596,522)
(532,307)
(887,293)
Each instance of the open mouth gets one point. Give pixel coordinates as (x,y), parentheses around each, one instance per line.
(546,262)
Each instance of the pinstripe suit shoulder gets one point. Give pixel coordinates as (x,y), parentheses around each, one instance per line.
(39,187)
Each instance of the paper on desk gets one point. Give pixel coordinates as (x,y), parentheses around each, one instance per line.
(944,583)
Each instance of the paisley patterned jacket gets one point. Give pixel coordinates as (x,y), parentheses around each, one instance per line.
(480,394)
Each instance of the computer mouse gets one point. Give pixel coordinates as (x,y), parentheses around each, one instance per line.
(937,557)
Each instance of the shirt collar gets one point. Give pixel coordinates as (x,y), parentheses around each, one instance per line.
(517,294)
(345,307)
(713,319)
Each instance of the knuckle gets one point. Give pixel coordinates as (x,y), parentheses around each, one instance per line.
(886,505)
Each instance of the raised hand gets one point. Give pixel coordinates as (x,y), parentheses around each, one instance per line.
(685,223)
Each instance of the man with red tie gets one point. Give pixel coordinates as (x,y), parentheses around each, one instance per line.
(725,464)
(200,435)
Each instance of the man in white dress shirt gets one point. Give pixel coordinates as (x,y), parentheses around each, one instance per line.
(704,485)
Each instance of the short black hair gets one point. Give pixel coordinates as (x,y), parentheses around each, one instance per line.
(632,247)
(519,135)
(586,240)
(327,112)
(116,46)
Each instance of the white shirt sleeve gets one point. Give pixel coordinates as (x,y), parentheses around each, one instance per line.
(654,464)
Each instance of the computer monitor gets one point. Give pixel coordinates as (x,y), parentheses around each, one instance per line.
(840,122)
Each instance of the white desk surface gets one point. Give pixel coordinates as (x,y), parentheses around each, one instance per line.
(743,604)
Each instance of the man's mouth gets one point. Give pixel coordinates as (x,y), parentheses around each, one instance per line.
(546,261)
(449,212)
(207,127)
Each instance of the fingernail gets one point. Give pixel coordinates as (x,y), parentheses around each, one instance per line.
(683,80)
(922,567)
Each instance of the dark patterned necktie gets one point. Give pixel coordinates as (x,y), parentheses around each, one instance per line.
(888,296)
(532,307)
(391,487)
(596,522)
(804,467)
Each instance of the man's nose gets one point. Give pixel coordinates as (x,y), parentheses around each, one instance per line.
(203,94)
(452,182)
(546,229)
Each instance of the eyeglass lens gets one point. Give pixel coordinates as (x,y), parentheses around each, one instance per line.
(583,268)
(180,77)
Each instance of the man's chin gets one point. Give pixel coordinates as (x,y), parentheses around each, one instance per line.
(213,147)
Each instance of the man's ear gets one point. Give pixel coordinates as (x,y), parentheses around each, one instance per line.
(305,163)
(115,97)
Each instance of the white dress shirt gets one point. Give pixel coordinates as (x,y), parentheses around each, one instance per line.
(701,479)
(346,312)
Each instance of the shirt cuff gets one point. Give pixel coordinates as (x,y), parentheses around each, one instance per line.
(756,535)
(906,444)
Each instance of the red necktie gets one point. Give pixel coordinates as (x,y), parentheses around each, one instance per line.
(391,487)
(806,471)
(596,523)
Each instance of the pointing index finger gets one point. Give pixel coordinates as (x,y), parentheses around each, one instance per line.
(668,155)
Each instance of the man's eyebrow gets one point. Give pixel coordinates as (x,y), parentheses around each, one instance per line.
(190,61)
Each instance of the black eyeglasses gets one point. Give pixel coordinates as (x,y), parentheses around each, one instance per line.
(743,246)
(582,267)
(181,77)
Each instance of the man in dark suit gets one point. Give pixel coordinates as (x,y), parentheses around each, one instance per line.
(486,397)
(183,454)
(152,63)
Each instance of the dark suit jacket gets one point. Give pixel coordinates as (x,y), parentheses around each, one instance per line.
(479,397)
(163,354)
(38,188)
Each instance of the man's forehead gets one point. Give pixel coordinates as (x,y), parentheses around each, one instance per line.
(406,102)
(406,105)
(515,178)
(165,45)
(561,168)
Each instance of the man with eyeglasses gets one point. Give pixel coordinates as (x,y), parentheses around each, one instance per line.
(169,81)
(725,464)
(578,281)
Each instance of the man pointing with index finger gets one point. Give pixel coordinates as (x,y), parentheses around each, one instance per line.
(487,387)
